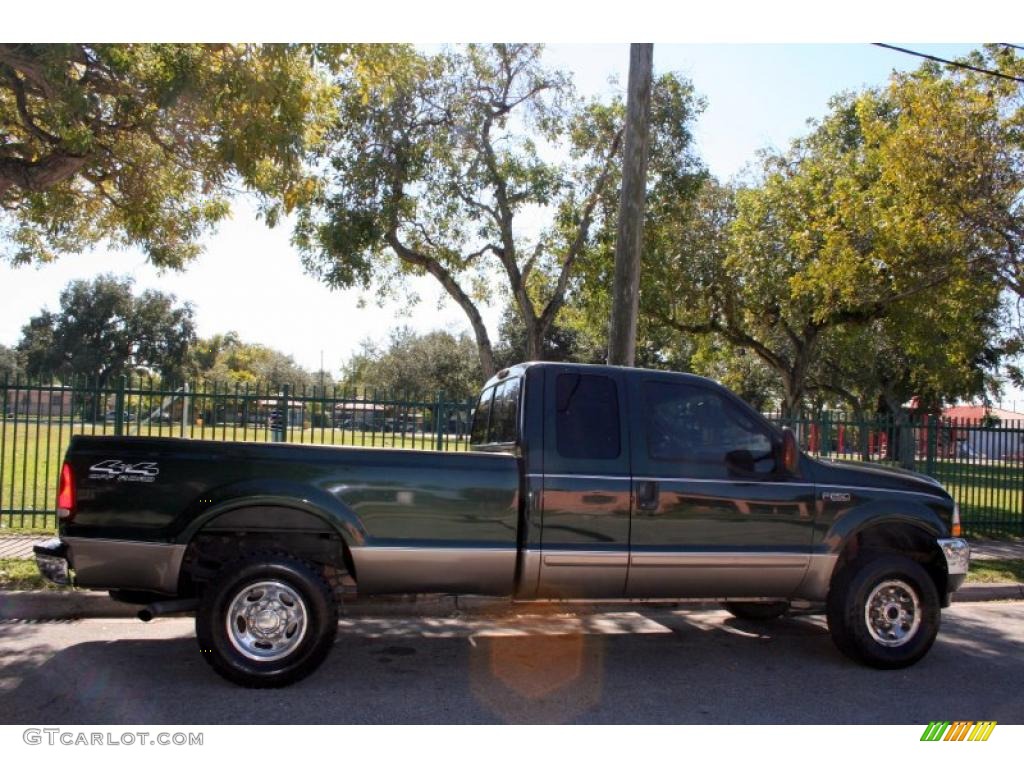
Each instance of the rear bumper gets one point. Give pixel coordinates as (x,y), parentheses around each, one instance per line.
(52,561)
(111,564)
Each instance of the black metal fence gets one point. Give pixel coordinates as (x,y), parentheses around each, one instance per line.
(979,461)
(38,420)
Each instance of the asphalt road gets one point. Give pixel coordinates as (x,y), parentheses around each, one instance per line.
(540,665)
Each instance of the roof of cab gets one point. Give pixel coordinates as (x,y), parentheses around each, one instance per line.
(520,368)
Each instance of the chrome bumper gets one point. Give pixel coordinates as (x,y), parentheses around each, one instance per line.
(52,561)
(958,555)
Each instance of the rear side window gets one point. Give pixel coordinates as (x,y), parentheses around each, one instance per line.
(587,417)
(505,413)
(482,417)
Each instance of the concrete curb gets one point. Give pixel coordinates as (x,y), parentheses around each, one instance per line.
(66,605)
(983,593)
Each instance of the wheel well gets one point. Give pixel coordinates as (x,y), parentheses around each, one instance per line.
(241,532)
(903,539)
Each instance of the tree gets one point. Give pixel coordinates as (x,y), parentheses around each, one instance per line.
(10,362)
(820,241)
(103,331)
(950,143)
(564,342)
(143,145)
(451,177)
(414,364)
(226,360)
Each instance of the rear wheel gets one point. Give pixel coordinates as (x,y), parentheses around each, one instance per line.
(757,611)
(884,611)
(267,621)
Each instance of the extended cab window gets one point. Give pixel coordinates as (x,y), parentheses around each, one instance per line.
(586,416)
(482,417)
(692,424)
(504,426)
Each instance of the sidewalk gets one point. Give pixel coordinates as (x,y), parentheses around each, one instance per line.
(18,546)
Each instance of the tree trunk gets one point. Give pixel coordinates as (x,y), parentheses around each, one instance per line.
(534,341)
(629,240)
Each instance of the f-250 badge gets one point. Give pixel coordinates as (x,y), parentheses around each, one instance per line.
(112,469)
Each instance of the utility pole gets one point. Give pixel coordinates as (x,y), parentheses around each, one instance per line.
(628,242)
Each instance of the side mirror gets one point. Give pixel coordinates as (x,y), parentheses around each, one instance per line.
(790,452)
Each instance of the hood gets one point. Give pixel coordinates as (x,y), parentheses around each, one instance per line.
(838,472)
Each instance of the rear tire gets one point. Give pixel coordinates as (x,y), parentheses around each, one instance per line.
(884,611)
(266,621)
(757,611)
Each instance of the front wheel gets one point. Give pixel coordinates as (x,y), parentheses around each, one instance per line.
(266,621)
(884,611)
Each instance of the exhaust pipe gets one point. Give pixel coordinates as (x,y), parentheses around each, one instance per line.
(166,607)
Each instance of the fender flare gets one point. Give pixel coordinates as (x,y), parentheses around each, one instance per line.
(326,508)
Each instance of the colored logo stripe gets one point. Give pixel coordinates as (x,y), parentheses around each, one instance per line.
(960,730)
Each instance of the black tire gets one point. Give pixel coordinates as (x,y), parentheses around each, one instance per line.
(757,611)
(900,582)
(294,597)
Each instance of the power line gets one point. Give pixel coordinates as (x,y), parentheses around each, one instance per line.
(1011,45)
(959,64)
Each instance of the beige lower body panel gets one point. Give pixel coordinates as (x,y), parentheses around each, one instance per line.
(568,575)
(816,581)
(397,570)
(718,574)
(115,564)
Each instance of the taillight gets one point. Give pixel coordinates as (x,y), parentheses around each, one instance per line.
(66,493)
(955,529)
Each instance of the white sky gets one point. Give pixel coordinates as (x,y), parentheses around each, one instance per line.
(251,280)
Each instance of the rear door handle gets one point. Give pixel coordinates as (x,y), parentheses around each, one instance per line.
(647,495)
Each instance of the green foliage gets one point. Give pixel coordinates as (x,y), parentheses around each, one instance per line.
(841,266)
(224,360)
(564,341)
(10,362)
(143,145)
(423,365)
(102,331)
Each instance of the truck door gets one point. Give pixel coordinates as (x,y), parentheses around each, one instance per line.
(713,515)
(586,485)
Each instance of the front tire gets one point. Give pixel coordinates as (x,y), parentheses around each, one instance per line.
(884,611)
(267,621)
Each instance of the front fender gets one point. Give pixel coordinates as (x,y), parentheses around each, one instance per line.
(881,512)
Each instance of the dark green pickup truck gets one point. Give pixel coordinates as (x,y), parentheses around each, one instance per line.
(583,482)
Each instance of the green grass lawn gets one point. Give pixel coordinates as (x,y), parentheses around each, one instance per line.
(23,574)
(992,571)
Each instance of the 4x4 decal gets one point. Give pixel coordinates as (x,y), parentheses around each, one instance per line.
(113,469)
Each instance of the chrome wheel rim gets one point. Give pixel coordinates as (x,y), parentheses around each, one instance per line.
(266,621)
(892,613)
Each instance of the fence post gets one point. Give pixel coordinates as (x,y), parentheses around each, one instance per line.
(280,435)
(119,406)
(438,427)
(931,449)
(825,434)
